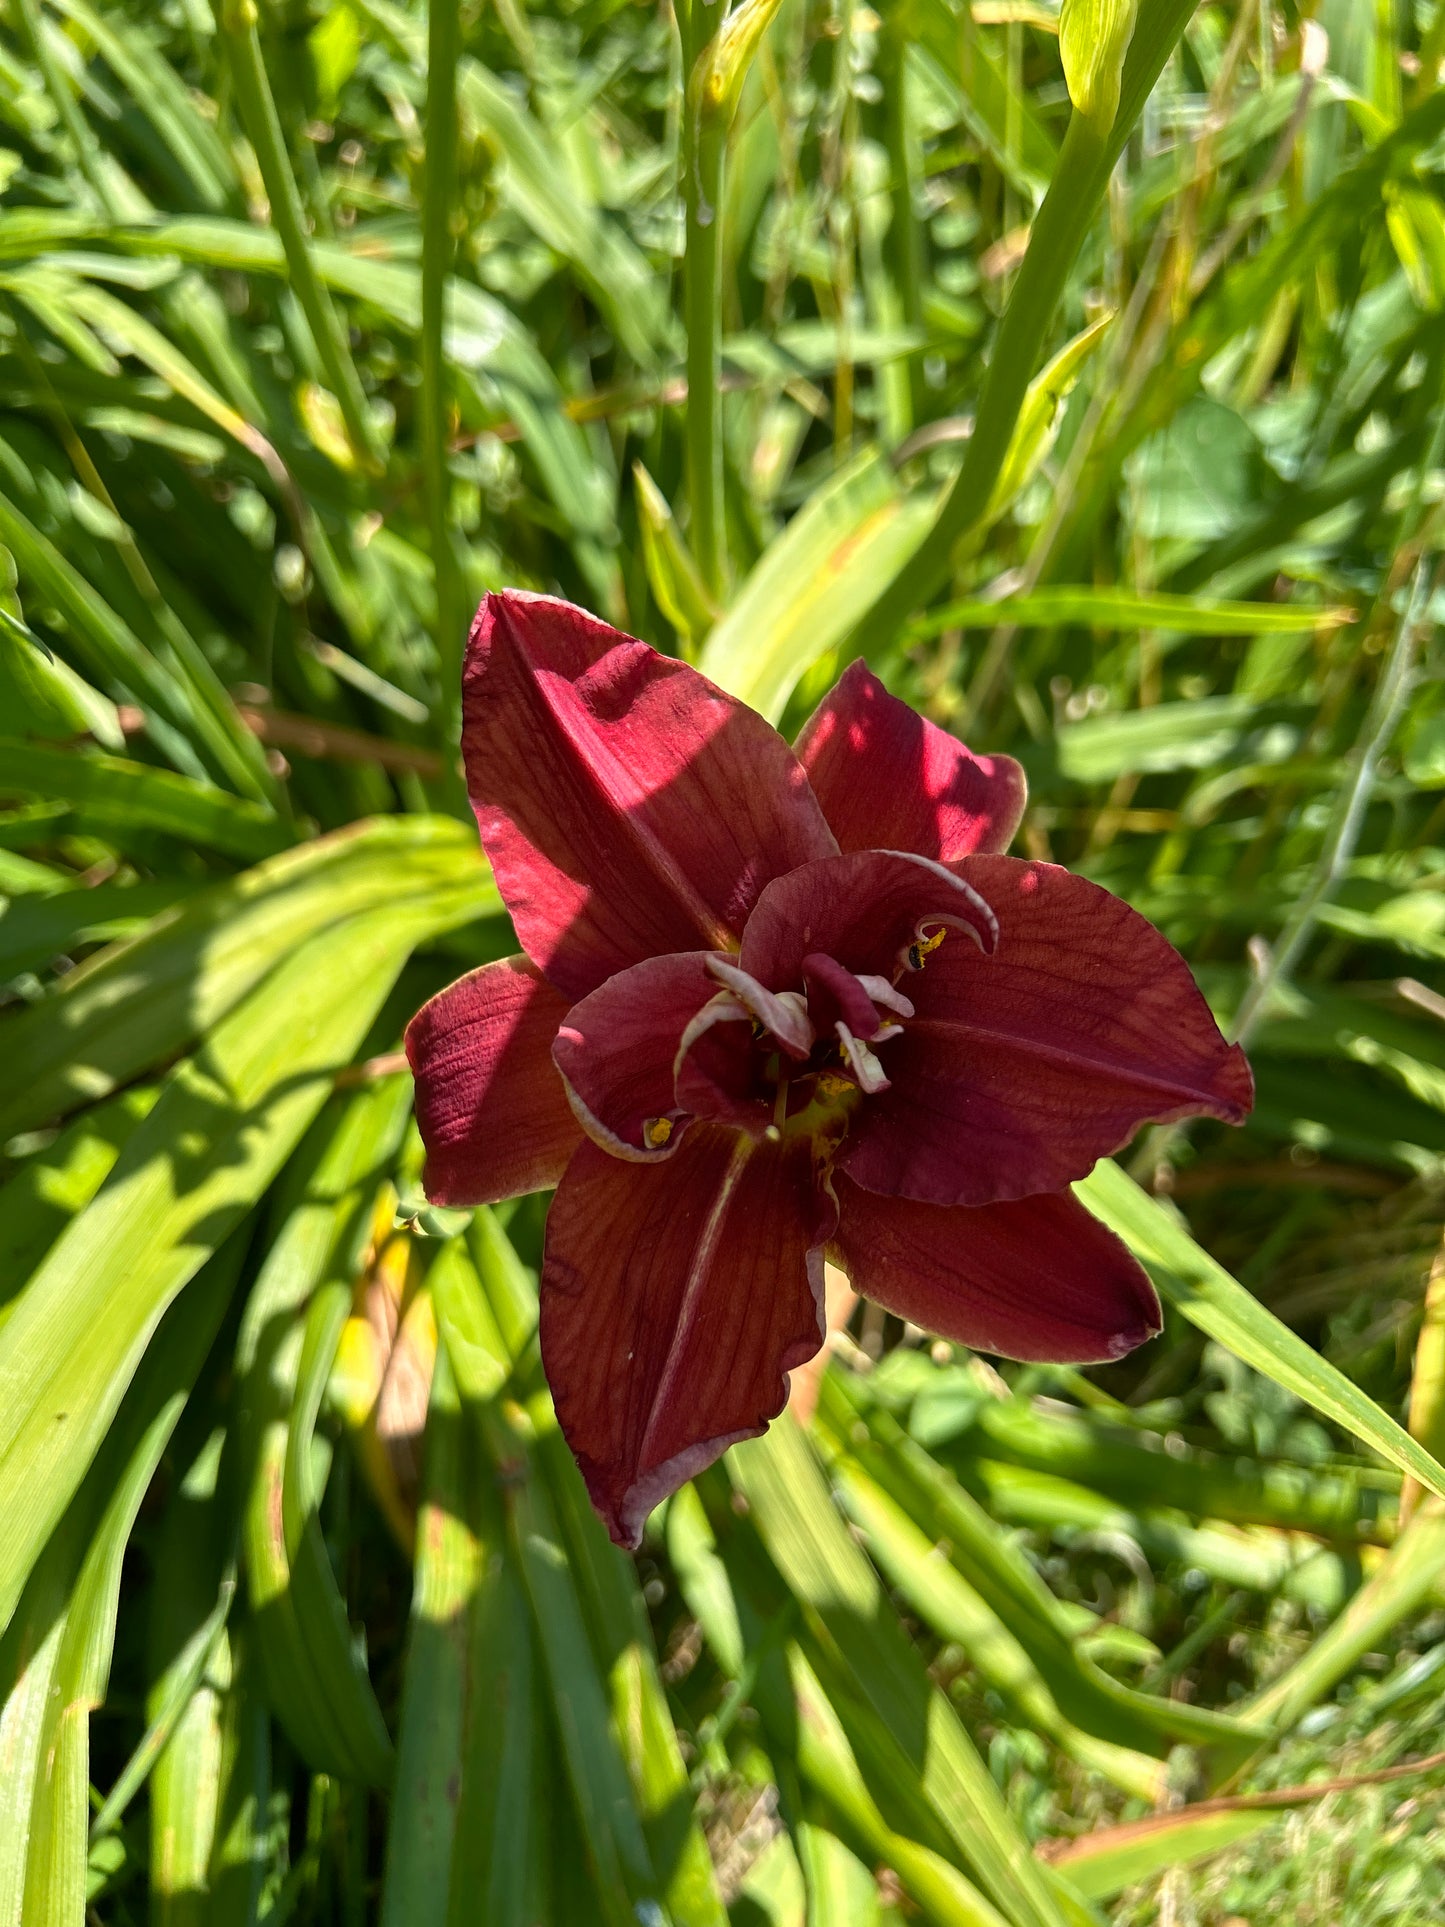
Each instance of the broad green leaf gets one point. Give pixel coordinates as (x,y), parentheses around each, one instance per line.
(249,1806)
(41,1197)
(441,1641)
(35,930)
(69,1611)
(624,1877)
(227,1119)
(191,1662)
(823,1566)
(841,1890)
(43,696)
(112,790)
(622,1640)
(1103,1864)
(317,1683)
(803,597)
(135,1004)
(617,1742)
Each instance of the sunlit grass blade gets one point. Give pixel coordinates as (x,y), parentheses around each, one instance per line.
(1204,1292)
(75,1336)
(69,1612)
(317,1683)
(136,1004)
(823,1566)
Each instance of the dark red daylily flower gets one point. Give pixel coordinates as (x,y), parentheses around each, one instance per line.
(781,1003)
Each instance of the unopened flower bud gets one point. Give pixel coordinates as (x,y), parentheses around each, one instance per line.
(1093,40)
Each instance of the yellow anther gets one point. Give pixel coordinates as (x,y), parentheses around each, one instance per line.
(832,1084)
(924,948)
(656,1131)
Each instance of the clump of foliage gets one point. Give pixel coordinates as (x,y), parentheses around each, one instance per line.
(1114,439)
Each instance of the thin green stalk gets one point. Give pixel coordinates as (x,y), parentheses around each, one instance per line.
(1380,725)
(437,257)
(905,230)
(704,143)
(1054,243)
(1085,162)
(262,123)
(157,1736)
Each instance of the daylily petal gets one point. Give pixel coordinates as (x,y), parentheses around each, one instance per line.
(616,1049)
(1022,1069)
(784,1013)
(889,779)
(1037,1278)
(862,910)
(492,1111)
(715,1073)
(629,808)
(887,996)
(673,1304)
(870,1074)
(836,996)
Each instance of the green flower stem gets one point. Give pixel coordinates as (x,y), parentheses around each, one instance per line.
(704,144)
(262,123)
(905,230)
(1067,208)
(437,257)
(1085,162)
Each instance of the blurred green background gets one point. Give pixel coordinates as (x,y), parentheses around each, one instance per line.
(1116,443)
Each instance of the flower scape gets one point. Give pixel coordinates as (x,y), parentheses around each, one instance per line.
(779,1005)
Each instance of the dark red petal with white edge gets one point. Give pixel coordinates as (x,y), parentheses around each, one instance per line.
(835,997)
(888,779)
(629,808)
(716,1073)
(1021,1070)
(1037,1278)
(674,1303)
(616,1050)
(492,1111)
(863,910)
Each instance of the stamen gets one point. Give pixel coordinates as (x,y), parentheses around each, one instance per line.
(886,996)
(834,1084)
(922,948)
(656,1131)
(864,1065)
